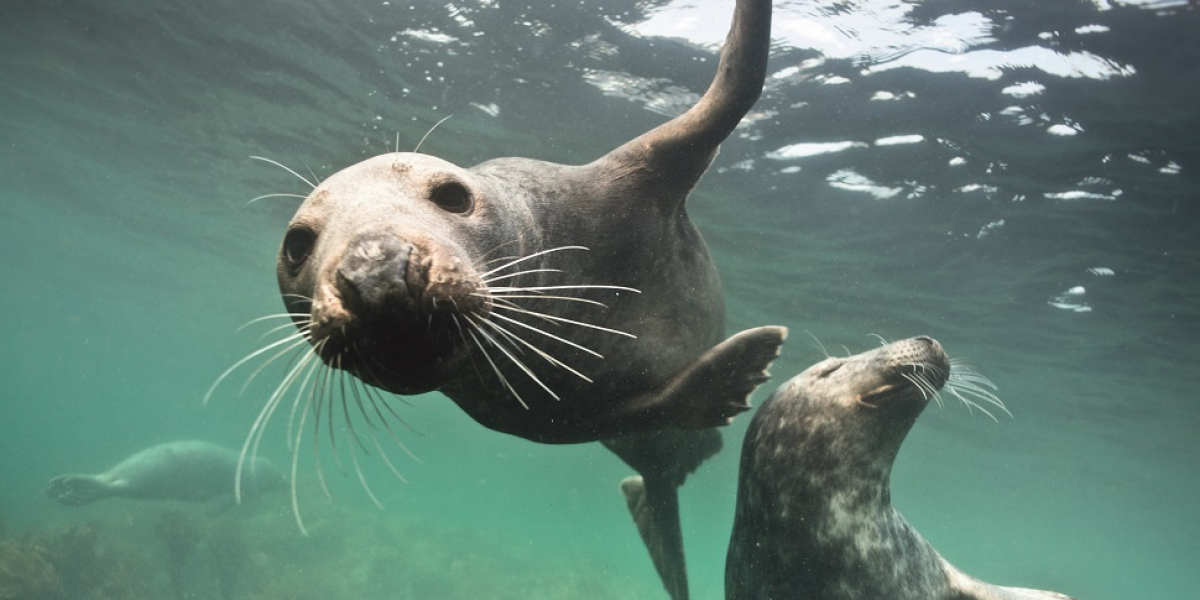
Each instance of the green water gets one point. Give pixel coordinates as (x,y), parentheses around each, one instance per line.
(130,259)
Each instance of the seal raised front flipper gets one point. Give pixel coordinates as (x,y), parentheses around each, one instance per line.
(715,387)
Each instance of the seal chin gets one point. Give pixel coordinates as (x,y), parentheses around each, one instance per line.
(398,358)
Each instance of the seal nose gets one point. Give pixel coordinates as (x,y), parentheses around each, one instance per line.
(930,341)
(374,274)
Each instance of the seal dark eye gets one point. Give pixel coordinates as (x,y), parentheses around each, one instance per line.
(451,197)
(297,247)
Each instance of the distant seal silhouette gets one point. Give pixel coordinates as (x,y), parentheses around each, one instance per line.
(187,470)
(814,518)
(561,304)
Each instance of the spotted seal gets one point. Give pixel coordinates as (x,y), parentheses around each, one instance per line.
(814,518)
(188,470)
(558,303)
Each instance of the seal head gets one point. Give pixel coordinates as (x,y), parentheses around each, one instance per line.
(814,517)
(378,268)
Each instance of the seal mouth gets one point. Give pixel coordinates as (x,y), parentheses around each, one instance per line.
(905,382)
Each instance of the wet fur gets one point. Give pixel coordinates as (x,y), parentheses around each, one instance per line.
(814,518)
(514,287)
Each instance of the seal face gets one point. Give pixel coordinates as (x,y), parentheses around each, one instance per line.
(188,470)
(814,518)
(378,267)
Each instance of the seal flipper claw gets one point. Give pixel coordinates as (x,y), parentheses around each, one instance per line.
(714,388)
(654,506)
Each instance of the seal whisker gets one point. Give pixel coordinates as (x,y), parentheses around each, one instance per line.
(315,397)
(548,334)
(295,344)
(882,340)
(295,471)
(519,273)
(291,338)
(503,380)
(310,172)
(362,480)
(277,195)
(354,383)
(422,141)
(304,328)
(516,361)
(971,405)
(264,415)
(288,315)
(286,168)
(508,297)
(542,288)
(820,346)
(539,351)
(376,396)
(522,259)
(565,320)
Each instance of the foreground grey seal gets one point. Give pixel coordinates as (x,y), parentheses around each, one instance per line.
(814,517)
(561,304)
(185,470)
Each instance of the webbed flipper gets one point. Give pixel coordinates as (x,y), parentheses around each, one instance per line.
(77,490)
(714,389)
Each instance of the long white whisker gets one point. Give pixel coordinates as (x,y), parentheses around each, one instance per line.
(286,168)
(565,320)
(503,380)
(816,340)
(547,334)
(280,195)
(435,126)
(543,288)
(507,298)
(516,361)
(268,362)
(260,422)
(248,358)
(520,273)
(538,351)
(274,316)
(529,257)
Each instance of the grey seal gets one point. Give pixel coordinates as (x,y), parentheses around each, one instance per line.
(814,518)
(558,303)
(187,470)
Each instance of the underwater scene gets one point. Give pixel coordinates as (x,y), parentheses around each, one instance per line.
(1018,180)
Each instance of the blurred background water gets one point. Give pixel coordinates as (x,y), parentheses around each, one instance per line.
(1017,179)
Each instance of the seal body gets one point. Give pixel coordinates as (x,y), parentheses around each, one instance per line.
(558,303)
(814,519)
(187,470)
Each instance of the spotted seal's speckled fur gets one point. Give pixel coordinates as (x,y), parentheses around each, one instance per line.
(814,515)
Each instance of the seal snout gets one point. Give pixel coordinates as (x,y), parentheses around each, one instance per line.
(374,275)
